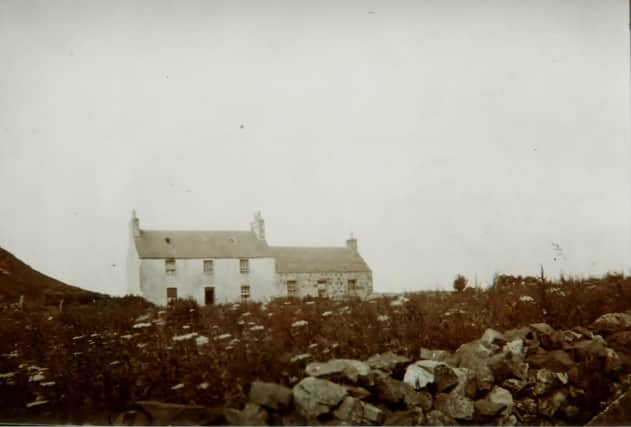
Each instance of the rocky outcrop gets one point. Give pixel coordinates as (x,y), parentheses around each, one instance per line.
(531,375)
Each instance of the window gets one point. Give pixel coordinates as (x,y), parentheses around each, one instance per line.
(245,293)
(244,266)
(209,268)
(292,289)
(322,288)
(352,285)
(171,295)
(169,265)
(209,295)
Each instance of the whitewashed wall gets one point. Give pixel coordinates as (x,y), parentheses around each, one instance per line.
(190,280)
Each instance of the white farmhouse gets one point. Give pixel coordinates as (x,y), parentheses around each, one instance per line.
(230,266)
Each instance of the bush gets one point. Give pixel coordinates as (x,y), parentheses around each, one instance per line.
(460,283)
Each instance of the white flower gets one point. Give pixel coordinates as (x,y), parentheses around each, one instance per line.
(141,325)
(310,302)
(312,346)
(257,328)
(383,318)
(127,337)
(526,298)
(203,386)
(78,338)
(327,313)
(47,384)
(36,378)
(185,336)
(141,345)
(7,375)
(201,340)
(177,386)
(143,318)
(186,327)
(114,363)
(36,403)
(241,322)
(299,357)
(299,324)
(223,337)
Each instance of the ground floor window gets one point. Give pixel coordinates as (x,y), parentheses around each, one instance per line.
(351,285)
(245,293)
(171,295)
(292,288)
(209,295)
(322,291)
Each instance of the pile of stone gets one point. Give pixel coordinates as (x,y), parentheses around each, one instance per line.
(531,375)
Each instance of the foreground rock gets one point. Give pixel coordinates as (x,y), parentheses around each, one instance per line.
(314,397)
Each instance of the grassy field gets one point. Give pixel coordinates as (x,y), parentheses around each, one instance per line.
(114,351)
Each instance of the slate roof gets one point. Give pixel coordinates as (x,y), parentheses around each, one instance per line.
(291,259)
(200,244)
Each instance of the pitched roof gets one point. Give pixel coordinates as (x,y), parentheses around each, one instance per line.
(317,260)
(200,244)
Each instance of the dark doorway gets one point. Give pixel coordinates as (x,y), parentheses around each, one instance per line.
(209,295)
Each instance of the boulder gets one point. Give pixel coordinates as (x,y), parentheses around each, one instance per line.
(612,322)
(506,365)
(551,403)
(396,392)
(548,337)
(314,396)
(546,380)
(445,378)
(355,391)
(492,337)
(514,385)
(454,405)
(411,417)
(555,360)
(467,382)
(251,415)
(498,400)
(417,376)
(270,395)
(389,362)
(356,412)
(438,418)
(349,369)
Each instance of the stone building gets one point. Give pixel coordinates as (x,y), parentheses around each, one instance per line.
(229,266)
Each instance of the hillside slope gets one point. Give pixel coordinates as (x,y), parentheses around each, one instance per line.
(17,278)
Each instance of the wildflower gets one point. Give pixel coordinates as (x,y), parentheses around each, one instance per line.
(312,346)
(383,318)
(94,335)
(299,357)
(177,386)
(127,337)
(141,325)
(251,323)
(257,328)
(77,353)
(235,341)
(203,386)
(11,355)
(142,345)
(114,363)
(526,298)
(201,340)
(7,375)
(143,318)
(327,313)
(299,324)
(50,317)
(80,337)
(47,384)
(223,337)
(191,310)
(36,378)
(246,314)
(310,302)
(287,303)
(241,322)
(186,327)
(160,322)
(36,403)
(229,348)
(270,314)
(185,336)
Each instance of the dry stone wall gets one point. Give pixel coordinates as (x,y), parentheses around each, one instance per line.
(336,284)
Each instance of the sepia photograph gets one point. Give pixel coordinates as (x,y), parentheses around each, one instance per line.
(303,213)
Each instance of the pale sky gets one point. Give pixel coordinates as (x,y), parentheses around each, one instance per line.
(449,136)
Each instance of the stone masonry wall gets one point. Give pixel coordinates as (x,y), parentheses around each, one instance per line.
(337,284)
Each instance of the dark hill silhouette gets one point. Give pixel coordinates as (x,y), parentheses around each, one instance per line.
(17,278)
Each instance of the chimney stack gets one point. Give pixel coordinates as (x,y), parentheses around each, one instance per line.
(351,243)
(258,226)
(135,224)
